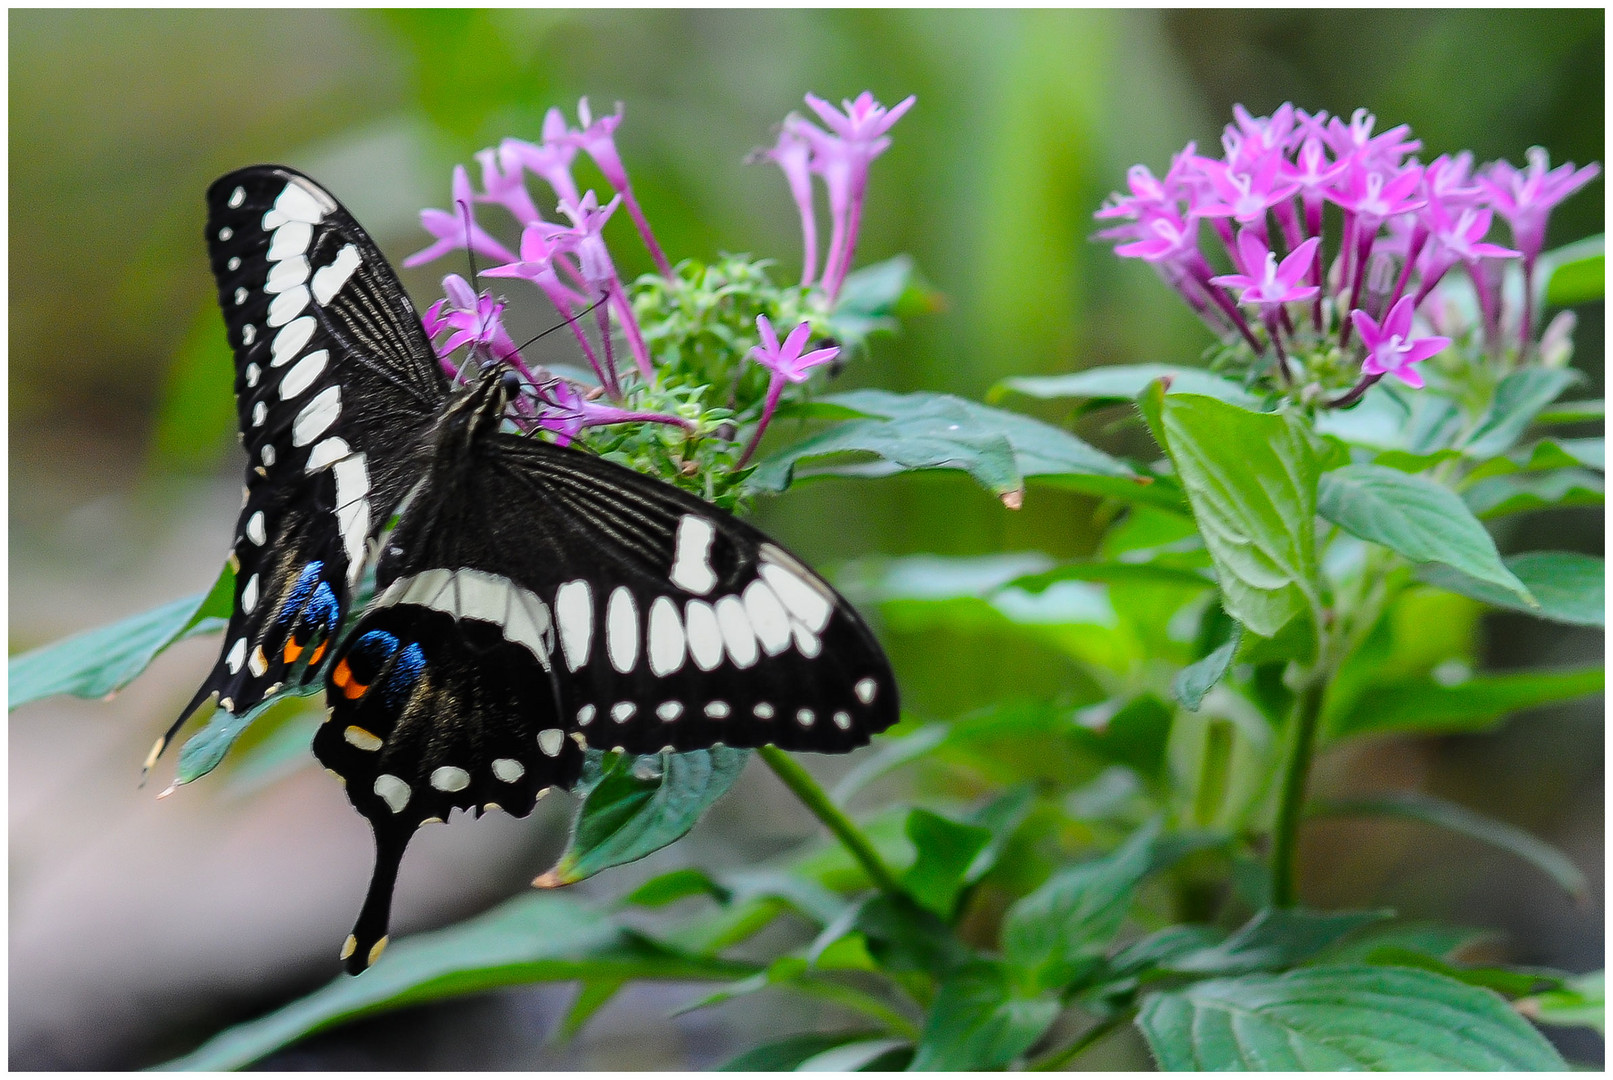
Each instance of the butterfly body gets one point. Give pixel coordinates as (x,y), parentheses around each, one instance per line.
(532,600)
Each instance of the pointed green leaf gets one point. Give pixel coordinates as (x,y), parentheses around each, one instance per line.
(1053,935)
(1344,1017)
(99,662)
(938,431)
(204,750)
(1573,274)
(1582,1002)
(1251,481)
(1124,382)
(1427,704)
(1197,679)
(787,1054)
(545,937)
(946,849)
(637,805)
(1514,493)
(980,1021)
(1570,587)
(1518,398)
(1573,412)
(1414,517)
(1275,938)
(1457,818)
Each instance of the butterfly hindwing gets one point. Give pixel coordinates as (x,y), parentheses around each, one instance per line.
(539,600)
(335,381)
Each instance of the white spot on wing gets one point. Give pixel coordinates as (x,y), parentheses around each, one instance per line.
(225,233)
(290,241)
(528,624)
(450,778)
(254,529)
(240,296)
(717,710)
(237,197)
(705,635)
(736,631)
(367,741)
(325,452)
(393,791)
(805,717)
(286,306)
(253,373)
(286,275)
(290,340)
(328,280)
(865,690)
(843,720)
(298,202)
(259,663)
(585,716)
(268,454)
(508,769)
(249,595)
(763,710)
(550,740)
(623,711)
(354,522)
(249,334)
(303,374)
(802,598)
(665,644)
(574,610)
(621,630)
(260,413)
(316,416)
(691,567)
(806,642)
(669,711)
(767,618)
(237,656)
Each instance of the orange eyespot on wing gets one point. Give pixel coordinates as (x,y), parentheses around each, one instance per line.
(319,651)
(341,675)
(293,650)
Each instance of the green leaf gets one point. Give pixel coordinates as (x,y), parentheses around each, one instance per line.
(544,937)
(675,885)
(1052,936)
(1110,573)
(1001,817)
(1414,517)
(99,662)
(787,1054)
(861,1056)
(1570,587)
(1496,496)
(1275,938)
(1582,1002)
(640,805)
(946,849)
(1251,481)
(1437,940)
(1457,818)
(1197,679)
(1557,453)
(905,937)
(1124,382)
(1573,274)
(1518,398)
(592,995)
(1425,704)
(1512,982)
(937,431)
(979,1021)
(872,297)
(1573,412)
(204,750)
(1345,1017)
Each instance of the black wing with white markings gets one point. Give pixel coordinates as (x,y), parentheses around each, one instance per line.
(536,600)
(335,382)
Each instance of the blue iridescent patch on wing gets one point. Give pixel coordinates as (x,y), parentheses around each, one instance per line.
(323,610)
(301,590)
(406,671)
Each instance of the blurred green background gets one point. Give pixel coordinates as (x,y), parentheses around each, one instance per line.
(137,928)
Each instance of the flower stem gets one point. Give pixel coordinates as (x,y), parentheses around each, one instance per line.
(1296,771)
(800,782)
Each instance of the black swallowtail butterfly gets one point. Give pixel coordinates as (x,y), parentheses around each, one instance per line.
(531,600)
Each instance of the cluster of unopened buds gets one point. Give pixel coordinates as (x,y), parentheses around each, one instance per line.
(1365,313)
(567,259)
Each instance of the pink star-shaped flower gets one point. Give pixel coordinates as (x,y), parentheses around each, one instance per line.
(1391,349)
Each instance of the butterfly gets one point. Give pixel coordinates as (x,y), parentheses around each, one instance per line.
(531,600)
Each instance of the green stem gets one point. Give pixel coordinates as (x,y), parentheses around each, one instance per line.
(1296,771)
(816,799)
(1058,1059)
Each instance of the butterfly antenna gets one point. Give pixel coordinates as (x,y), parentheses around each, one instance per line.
(602,298)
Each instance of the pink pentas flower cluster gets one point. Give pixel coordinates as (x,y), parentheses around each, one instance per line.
(1403,227)
(840,157)
(563,253)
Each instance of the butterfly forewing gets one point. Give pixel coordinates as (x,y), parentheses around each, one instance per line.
(334,381)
